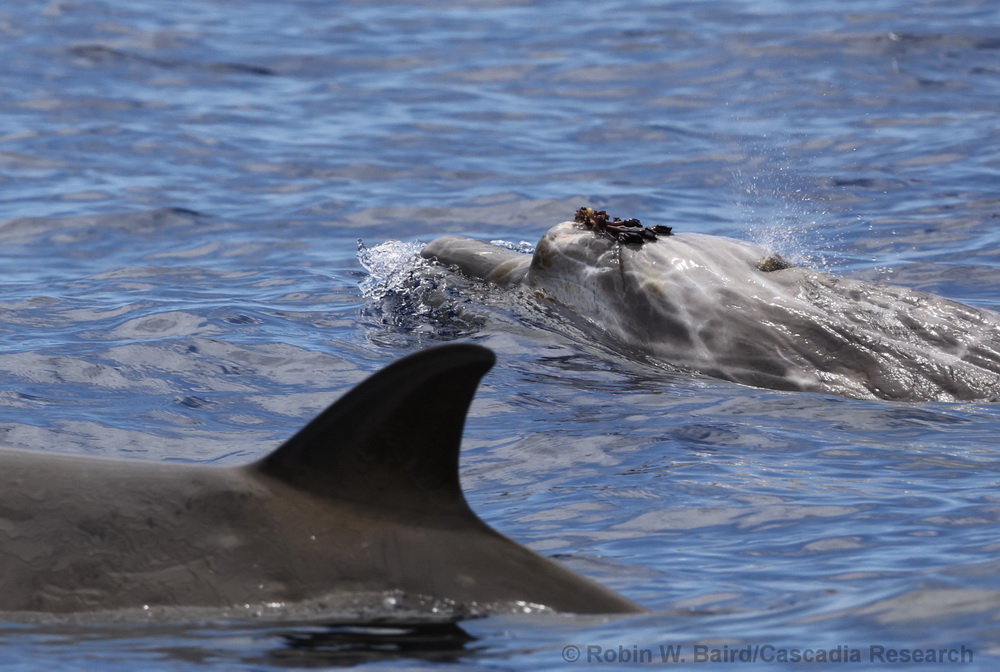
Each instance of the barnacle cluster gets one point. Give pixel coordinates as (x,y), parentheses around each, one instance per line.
(629,231)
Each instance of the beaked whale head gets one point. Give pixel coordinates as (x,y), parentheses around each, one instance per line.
(361,504)
(733,310)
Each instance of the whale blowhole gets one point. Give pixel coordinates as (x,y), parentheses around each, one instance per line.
(773,262)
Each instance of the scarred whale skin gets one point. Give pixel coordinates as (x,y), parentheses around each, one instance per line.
(704,303)
(365,499)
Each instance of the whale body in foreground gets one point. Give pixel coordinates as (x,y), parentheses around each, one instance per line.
(728,309)
(364,501)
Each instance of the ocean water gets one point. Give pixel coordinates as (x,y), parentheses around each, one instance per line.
(183,188)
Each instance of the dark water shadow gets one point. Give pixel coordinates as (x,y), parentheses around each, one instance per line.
(355,643)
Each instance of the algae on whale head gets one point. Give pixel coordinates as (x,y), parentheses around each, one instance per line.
(732,310)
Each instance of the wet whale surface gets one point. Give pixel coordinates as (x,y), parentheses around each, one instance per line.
(732,310)
(359,512)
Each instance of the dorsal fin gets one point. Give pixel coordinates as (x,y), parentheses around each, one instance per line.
(393,440)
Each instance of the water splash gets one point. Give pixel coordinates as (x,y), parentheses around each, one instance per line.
(405,295)
(390,265)
(777,201)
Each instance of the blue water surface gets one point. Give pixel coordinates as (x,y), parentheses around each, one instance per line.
(183,186)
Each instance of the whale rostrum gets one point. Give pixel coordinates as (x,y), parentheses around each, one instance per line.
(364,501)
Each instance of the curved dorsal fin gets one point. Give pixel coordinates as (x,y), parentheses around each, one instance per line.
(392,441)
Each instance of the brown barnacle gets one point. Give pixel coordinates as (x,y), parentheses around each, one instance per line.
(592,220)
(630,237)
(584,216)
(772,262)
(661,230)
(627,232)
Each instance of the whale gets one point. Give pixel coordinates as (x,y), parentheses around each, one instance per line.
(360,510)
(732,310)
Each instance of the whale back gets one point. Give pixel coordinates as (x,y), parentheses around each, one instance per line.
(732,310)
(364,504)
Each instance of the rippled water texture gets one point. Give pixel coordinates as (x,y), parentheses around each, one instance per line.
(182,190)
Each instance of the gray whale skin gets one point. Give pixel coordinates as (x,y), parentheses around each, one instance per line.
(728,309)
(365,499)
